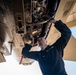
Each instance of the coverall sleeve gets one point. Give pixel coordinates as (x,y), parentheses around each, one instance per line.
(65,36)
(30,54)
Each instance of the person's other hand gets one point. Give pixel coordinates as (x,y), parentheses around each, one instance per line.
(53,21)
(32,40)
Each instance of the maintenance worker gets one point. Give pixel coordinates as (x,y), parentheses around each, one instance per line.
(50,56)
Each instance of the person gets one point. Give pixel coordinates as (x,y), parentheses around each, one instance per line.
(50,57)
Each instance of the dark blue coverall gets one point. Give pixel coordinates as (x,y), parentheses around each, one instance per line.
(50,60)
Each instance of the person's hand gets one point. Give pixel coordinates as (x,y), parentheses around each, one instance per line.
(53,21)
(32,40)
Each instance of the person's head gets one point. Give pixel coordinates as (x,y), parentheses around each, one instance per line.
(42,42)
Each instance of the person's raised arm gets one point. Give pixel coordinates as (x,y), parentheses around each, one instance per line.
(26,50)
(65,35)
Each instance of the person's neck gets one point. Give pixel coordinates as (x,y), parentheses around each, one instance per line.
(43,47)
